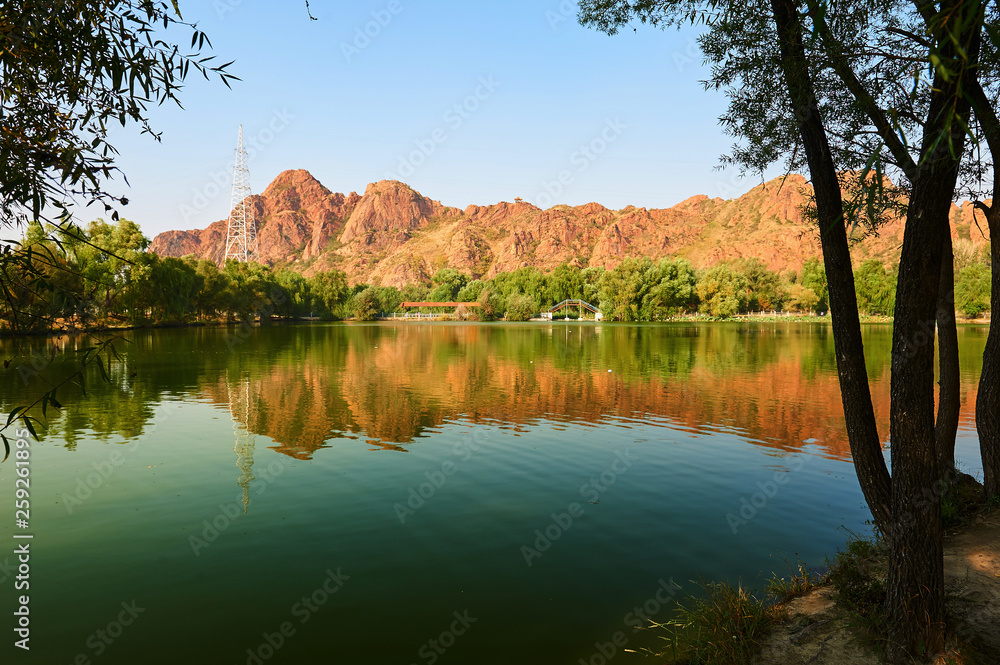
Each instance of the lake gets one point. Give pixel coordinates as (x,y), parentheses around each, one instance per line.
(430,492)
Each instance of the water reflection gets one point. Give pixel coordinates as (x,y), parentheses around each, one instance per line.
(304,387)
(240,404)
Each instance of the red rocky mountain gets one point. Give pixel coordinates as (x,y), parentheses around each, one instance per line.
(393,235)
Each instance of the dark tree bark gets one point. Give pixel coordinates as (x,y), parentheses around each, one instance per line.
(912,522)
(859,415)
(988,398)
(916,575)
(949,393)
(915,582)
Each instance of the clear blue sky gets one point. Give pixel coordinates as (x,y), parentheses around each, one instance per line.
(532,87)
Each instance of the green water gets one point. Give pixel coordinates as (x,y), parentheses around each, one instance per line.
(405,476)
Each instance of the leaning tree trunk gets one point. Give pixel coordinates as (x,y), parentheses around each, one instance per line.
(862,431)
(949,399)
(988,399)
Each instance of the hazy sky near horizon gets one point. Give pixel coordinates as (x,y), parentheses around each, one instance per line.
(467,102)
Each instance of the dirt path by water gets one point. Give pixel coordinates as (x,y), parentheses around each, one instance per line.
(817,631)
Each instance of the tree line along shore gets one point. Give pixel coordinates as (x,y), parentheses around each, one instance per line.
(105,277)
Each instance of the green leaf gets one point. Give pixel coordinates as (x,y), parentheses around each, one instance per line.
(13,414)
(31,428)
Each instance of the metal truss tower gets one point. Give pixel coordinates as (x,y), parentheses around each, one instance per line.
(241,237)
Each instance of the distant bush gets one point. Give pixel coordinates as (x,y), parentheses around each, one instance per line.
(972,290)
(558,316)
(573,315)
(365,305)
(520,307)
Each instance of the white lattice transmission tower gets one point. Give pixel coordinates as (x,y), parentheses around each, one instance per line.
(241,237)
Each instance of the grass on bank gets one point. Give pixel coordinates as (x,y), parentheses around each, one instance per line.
(727,625)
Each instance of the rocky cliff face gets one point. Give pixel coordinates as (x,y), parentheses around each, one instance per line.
(392,235)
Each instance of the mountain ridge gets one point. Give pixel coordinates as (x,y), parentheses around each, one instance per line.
(393,235)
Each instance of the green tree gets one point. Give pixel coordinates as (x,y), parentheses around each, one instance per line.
(112,259)
(591,277)
(814,278)
(801,298)
(471,291)
(876,288)
(296,295)
(520,307)
(365,305)
(212,299)
(564,283)
(415,293)
(172,290)
(331,291)
(529,280)
(252,290)
(675,291)
(764,291)
(70,69)
(972,290)
(491,306)
(722,292)
(448,282)
(623,290)
(389,298)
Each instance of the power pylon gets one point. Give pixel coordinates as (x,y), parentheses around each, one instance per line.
(241,237)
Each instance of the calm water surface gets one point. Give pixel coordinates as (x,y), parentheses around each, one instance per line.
(430,493)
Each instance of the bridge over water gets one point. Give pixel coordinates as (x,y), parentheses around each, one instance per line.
(574,303)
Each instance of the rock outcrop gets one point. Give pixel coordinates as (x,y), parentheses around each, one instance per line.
(393,235)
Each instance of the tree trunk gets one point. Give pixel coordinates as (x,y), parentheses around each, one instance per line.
(988,399)
(949,398)
(915,584)
(862,432)
(915,598)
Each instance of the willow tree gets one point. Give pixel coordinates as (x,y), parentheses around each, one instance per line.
(877,88)
(70,70)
